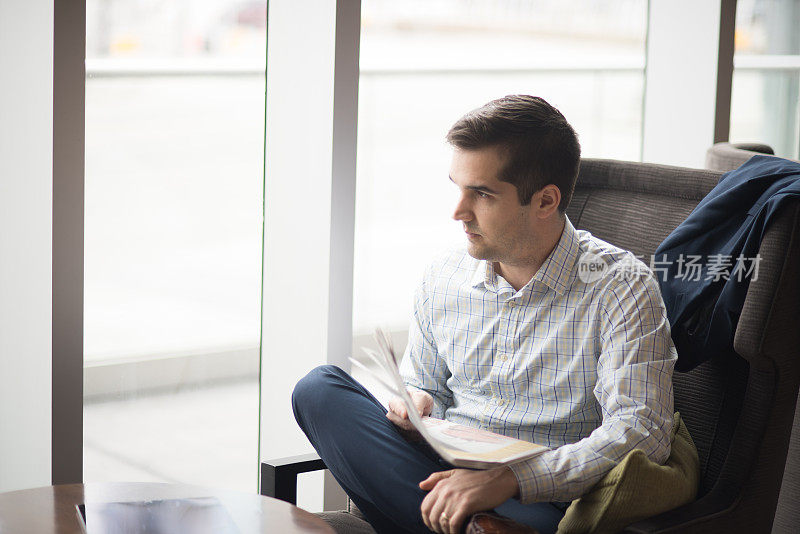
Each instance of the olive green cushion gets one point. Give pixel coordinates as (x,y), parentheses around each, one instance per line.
(637,488)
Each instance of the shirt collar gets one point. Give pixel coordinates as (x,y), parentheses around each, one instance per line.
(557,269)
(555,272)
(483,275)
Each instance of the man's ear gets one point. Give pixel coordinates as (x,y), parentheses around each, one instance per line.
(546,201)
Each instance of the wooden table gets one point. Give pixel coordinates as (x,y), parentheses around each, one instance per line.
(52,509)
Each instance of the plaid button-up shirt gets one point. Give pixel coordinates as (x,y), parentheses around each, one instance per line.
(580,364)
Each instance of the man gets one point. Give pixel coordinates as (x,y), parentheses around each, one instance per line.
(515,336)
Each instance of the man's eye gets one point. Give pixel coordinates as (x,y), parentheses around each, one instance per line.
(481,194)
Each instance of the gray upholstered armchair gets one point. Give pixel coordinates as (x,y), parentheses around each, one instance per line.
(738,409)
(726,157)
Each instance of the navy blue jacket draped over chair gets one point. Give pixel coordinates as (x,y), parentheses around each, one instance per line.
(704,298)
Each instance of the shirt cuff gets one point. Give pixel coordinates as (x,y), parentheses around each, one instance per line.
(535,480)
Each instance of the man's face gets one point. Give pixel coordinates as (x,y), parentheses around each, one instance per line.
(498,227)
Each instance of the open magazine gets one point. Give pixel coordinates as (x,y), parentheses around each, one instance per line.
(460,445)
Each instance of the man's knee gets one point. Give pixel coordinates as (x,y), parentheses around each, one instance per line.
(314,389)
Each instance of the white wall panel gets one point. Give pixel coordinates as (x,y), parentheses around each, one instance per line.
(26,142)
(309,191)
(681,81)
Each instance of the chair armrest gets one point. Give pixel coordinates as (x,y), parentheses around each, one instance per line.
(697,516)
(279,477)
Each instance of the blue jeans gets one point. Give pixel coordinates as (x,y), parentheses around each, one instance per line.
(378,468)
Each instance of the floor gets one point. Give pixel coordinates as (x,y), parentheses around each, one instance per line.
(205,436)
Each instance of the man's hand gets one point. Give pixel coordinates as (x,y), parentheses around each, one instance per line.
(398,414)
(457,494)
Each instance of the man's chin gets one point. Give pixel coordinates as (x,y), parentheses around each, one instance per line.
(479,253)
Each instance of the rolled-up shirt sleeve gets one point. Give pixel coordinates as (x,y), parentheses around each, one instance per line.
(422,366)
(633,389)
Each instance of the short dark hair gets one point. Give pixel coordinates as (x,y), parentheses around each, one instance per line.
(541,147)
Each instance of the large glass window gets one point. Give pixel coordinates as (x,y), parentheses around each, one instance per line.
(765,102)
(173,218)
(426,63)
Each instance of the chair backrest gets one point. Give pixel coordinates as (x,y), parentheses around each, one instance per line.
(726,157)
(737,407)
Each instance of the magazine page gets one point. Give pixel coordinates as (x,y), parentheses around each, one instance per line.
(468,443)
(458,444)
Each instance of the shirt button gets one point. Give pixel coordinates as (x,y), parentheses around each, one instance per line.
(510,303)
(501,402)
(503,357)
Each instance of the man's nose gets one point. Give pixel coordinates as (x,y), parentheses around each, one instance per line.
(462,211)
